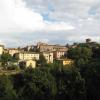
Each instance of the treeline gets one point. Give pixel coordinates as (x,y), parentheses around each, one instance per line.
(42,84)
(80,81)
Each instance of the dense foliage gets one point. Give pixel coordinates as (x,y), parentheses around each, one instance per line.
(80,81)
(7,61)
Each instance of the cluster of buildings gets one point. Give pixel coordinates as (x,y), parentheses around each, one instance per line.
(29,55)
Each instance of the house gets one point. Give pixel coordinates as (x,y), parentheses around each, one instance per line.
(43,47)
(27,64)
(48,56)
(59,54)
(65,61)
(12,51)
(5,50)
(27,55)
(1,49)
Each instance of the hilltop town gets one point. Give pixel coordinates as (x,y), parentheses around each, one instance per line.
(31,56)
(53,72)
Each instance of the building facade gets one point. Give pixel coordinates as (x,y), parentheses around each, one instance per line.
(1,49)
(48,56)
(27,64)
(65,61)
(27,56)
(43,47)
(59,54)
(13,51)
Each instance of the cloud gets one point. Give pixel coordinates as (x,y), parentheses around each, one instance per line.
(15,16)
(58,27)
(25,22)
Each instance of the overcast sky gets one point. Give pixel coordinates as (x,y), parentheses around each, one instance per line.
(25,22)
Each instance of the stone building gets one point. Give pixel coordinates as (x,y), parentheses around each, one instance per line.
(43,47)
(59,54)
(27,64)
(48,56)
(13,51)
(1,49)
(65,61)
(27,55)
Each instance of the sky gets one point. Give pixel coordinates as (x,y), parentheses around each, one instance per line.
(26,22)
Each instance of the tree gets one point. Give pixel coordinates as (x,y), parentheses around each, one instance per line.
(6,89)
(5,58)
(80,54)
(96,53)
(42,61)
(36,84)
(70,84)
(91,74)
